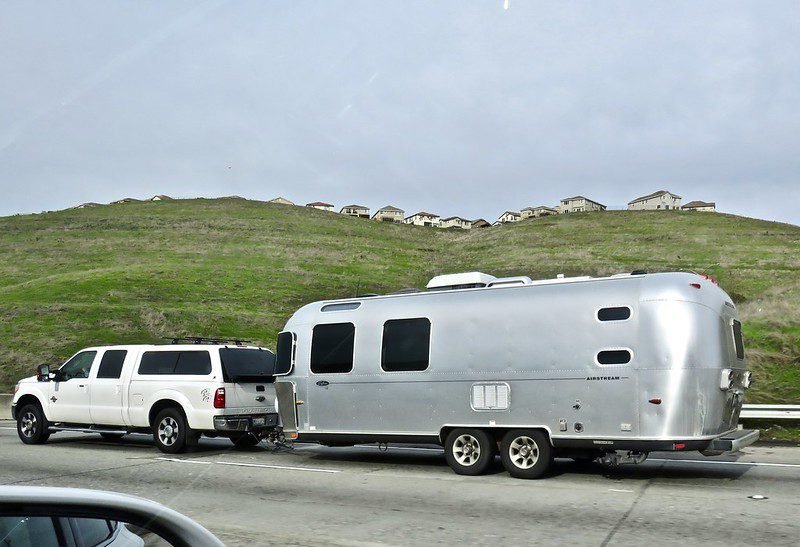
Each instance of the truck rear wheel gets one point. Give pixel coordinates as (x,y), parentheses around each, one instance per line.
(32,426)
(526,453)
(170,431)
(469,451)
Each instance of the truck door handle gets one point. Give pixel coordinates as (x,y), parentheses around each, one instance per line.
(323,383)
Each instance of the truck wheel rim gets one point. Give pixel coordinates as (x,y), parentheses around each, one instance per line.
(28,424)
(466,450)
(168,431)
(524,452)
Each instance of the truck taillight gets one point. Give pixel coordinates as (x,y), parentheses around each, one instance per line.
(219,398)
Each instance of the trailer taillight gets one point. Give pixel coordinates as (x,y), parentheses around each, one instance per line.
(679,446)
(219,398)
(705,276)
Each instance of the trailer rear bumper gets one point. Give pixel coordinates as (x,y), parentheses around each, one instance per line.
(731,442)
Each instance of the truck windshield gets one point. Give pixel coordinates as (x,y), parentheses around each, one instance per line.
(253,365)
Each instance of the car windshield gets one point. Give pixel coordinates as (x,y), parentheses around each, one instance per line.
(242,364)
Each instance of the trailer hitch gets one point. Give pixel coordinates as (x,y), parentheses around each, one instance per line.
(620,457)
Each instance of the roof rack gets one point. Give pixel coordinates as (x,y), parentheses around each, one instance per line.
(204,340)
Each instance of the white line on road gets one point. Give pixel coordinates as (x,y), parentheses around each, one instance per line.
(11,428)
(717,462)
(183,460)
(290,468)
(624,491)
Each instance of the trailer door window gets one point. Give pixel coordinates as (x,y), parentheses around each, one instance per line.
(406,345)
(332,348)
(737,339)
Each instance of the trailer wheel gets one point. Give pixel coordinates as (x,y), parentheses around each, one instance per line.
(32,426)
(469,451)
(526,453)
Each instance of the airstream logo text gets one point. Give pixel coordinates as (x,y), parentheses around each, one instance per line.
(602,378)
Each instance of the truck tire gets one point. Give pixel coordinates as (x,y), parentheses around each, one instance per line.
(244,440)
(32,426)
(469,451)
(526,453)
(170,431)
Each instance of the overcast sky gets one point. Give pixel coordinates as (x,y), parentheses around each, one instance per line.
(455,107)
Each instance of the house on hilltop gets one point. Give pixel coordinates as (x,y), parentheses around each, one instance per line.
(480,223)
(535,212)
(509,216)
(321,205)
(355,211)
(160,197)
(423,219)
(579,204)
(126,200)
(389,214)
(281,201)
(700,206)
(663,199)
(455,222)
(87,205)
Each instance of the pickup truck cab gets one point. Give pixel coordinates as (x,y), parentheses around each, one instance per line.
(177,392)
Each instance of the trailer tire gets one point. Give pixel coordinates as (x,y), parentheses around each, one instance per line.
(32,426)
(526,453)
(469,451)
(170,431)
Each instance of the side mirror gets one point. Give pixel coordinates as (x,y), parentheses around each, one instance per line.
(43,373)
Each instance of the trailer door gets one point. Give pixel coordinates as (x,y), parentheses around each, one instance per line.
(331,404)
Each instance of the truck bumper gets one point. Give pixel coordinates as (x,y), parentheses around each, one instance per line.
(13,412)
(732,442)
(259,422)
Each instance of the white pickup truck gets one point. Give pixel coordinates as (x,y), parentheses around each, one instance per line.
(177,392)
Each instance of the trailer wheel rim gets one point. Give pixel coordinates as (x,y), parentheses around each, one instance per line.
(28,425)
(523,452)
(466,450)
(168,431)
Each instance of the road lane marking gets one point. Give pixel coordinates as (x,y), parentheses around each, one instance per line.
(624,491)
(288,467)
(756,464)
(11,428)
(183,460)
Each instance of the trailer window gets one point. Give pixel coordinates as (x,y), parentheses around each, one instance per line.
(332,348)
(111,364)
(284,353)
(737,339)
(406,345)
(618,313)
(614,357)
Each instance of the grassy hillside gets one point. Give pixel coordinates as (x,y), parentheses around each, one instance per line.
(137,272)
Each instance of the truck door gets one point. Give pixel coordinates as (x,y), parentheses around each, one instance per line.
(69,395)
(106,396)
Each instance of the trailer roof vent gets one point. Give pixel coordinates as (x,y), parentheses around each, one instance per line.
(468,280)
(511,281)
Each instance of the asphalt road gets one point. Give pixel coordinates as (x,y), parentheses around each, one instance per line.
(313,495)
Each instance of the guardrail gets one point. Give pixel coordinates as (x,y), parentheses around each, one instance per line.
(771,412)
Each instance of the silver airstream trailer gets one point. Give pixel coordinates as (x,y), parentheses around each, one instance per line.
(582,367)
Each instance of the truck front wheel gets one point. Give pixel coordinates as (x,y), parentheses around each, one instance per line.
(32,426)
(170,431)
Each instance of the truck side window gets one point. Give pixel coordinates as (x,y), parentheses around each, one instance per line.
(193,363)
(78,366)
(111,364)
(332,348)
(406,345)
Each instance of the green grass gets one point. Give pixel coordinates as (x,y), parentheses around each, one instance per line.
(138,272)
